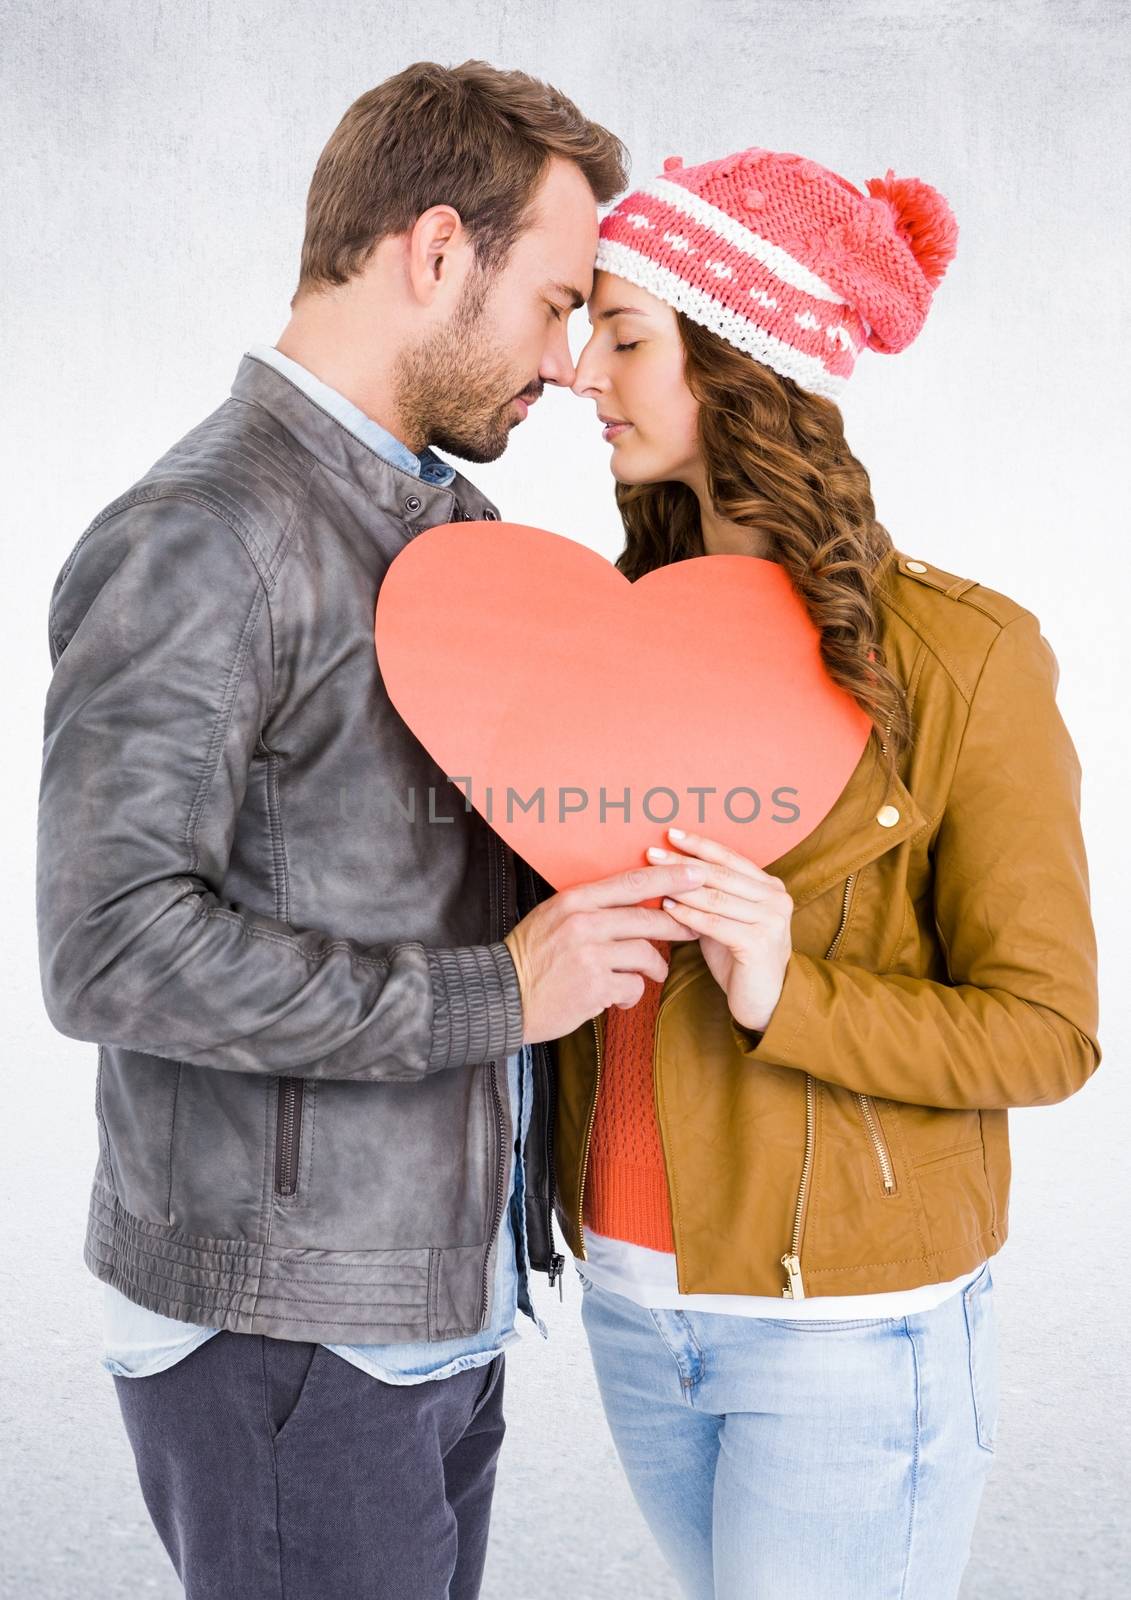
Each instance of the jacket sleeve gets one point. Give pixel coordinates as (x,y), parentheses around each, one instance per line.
(161,645)
(1016,1024)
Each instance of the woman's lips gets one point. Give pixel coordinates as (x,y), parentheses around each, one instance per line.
(613,430)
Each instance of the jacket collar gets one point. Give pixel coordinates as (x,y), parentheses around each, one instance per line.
(427,464)
(852,834)
(411,500)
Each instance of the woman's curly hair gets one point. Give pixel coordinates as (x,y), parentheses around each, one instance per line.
(777,460)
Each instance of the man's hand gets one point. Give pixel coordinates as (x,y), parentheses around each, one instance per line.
(588,947)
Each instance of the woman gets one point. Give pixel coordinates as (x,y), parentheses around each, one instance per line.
(785,1169)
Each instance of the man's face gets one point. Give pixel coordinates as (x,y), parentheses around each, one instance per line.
(467,383)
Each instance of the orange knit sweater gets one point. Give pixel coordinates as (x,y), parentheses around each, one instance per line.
(626,1191)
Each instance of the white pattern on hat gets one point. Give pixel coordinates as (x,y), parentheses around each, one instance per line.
(809,371)
(772,256)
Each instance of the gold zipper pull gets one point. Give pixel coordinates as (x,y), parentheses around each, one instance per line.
(795,1290)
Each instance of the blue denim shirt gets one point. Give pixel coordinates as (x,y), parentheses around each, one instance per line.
(137,1341)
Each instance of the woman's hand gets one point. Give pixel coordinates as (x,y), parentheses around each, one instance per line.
(742,918)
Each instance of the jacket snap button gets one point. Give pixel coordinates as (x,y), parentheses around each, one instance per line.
(412,503)
(489,515)
(916,566)
(887,816)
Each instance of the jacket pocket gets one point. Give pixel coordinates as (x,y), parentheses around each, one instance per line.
(935,1134)
(139,1105)
(881,1150)
(981,1339)
(404,1165)
(222,1148)
(288,1134)
(864,1205)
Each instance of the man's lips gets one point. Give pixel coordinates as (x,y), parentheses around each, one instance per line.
(524,402)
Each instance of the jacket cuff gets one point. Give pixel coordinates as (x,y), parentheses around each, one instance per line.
(782,1042)
(476,1005)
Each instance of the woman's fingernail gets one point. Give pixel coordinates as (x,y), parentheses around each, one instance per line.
(675,833)
(658,854)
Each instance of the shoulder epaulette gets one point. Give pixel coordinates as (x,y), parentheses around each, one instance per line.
(948,583)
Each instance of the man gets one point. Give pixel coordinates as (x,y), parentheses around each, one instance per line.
(323,1096)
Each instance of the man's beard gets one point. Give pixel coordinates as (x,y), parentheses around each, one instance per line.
(453,388)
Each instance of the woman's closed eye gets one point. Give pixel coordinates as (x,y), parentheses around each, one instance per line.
(631,346)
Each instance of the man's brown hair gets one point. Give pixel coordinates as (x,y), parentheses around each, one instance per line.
(471,136)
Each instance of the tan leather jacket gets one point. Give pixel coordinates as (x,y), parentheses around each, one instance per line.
(944,968)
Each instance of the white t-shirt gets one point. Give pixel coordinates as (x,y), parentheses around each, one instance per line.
(648,1277)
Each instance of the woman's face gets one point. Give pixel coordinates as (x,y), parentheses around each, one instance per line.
(632,367)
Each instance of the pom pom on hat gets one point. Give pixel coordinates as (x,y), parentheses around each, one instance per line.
(923,218)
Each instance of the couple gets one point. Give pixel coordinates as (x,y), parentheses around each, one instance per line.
(349,1069)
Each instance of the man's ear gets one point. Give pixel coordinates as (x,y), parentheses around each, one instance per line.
(438,255)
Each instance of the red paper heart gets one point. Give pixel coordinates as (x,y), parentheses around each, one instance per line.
(524,660)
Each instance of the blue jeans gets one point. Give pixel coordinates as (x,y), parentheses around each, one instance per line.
(828,1460)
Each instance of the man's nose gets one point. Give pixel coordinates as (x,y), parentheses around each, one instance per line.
(558,368)
(558,365)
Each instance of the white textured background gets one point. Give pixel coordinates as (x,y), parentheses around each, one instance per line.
(153,167)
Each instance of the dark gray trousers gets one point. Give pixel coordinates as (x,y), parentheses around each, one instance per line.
(275,1470)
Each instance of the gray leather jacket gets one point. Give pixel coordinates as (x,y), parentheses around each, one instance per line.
(279,920)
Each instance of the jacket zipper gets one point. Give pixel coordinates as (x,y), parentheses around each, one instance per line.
(288,1112)
(887,1171)
(585,1150)
(500,1190)
(497,1106)
(288,1130)
(557,1261)
(795,1288)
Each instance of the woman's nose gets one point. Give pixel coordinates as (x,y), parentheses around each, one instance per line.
(586,380)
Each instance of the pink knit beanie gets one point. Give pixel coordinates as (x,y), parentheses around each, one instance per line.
(785,259)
